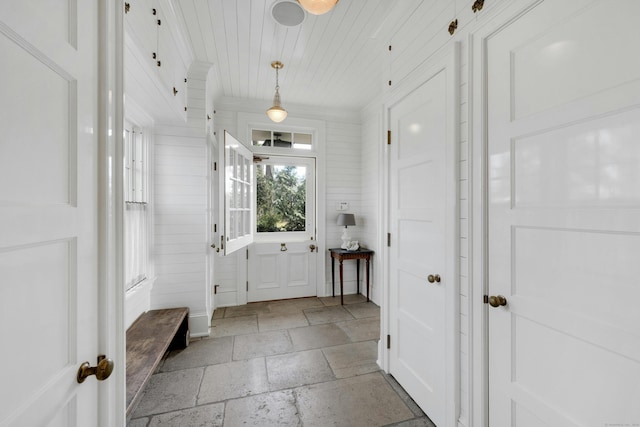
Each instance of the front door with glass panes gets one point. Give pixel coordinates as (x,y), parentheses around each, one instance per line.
(282,259)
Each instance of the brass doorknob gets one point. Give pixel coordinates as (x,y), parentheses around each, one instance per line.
(497,301)
(433,278)
(312,247)
(102,371)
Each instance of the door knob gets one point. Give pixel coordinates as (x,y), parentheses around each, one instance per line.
(433,278)
(312,247)
(102,371)
(283,247)
(497,301)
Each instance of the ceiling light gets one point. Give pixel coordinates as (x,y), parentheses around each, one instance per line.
(277,113)
(318,7)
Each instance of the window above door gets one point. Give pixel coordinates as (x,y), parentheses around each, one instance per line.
(281,139)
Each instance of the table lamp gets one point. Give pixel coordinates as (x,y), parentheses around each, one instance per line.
(346,219)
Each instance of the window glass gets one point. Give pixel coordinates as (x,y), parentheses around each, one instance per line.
(281,139)
(281,198)
(302,141)
(135,216)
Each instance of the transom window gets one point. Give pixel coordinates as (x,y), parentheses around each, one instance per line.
(270,138)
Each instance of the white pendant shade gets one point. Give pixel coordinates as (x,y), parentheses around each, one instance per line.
(318,7)
(277,113)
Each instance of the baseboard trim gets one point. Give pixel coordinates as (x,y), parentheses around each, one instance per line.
(199,325)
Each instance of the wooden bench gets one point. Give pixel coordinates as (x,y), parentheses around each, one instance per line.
(148,339)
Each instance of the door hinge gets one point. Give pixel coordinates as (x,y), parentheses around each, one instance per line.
(485,299)
(388,137)
(389,239)
(215,166)
(215,228)
(247,286)
(388,341)
(215,289)
(247,253)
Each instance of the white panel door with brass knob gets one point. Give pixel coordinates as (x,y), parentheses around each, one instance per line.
(564,216)
(49,302)
(422,278)
(282,260)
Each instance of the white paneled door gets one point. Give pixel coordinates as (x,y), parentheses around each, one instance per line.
(564,216)
(48,218)
(282,260)
(422,255)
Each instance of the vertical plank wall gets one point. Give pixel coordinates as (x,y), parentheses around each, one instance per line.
(181,225)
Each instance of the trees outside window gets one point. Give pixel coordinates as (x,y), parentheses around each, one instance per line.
(281,198)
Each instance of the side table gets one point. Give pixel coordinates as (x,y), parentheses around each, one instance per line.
(343,254)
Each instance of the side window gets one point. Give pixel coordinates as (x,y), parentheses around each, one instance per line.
(136,214)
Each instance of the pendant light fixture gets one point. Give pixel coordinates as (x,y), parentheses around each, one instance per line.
(318,7)
(277,113)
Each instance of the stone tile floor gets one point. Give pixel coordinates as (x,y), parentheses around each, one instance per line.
(301,362)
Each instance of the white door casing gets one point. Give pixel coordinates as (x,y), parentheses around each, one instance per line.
(563,215)
(53,312)
(423,283)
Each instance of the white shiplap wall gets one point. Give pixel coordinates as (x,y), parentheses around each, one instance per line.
(181,202)
(180,232)
(343,184)
(371,194)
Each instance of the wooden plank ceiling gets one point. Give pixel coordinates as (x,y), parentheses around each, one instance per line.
(337,59)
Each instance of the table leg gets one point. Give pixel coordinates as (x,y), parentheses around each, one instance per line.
(333,276)
(358,276)
(341,288)
(367,279)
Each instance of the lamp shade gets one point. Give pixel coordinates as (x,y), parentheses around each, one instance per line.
(318,7)
(346,219)
(277,113)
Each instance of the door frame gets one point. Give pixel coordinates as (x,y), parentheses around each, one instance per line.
(317,128)
(110,201)
(447,59)
(478,201)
